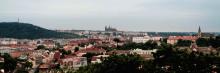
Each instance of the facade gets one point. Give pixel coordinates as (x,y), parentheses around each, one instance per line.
(98,59)
(73,62)
(110,29)
(156,38)
(146,54)
(174,39)
(141,39)
(140,51)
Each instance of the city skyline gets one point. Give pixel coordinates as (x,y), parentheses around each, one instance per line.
(125,15)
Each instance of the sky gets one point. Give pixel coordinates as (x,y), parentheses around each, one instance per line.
(125,15)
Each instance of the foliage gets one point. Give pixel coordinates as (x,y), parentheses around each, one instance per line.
(115,64)
(175,61)
(167,59)
(117,40)
(144,46)
(41,47)
(215,42)
(203,42)
(28,64)
(64,52)
(184,43)
(76,49)
(89,56)
(167,34)
(29,31)
(10,63)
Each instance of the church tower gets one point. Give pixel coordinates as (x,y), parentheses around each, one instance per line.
(199,32)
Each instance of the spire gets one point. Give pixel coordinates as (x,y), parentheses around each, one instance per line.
(199,32)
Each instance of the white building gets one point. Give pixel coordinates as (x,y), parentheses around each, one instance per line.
(143,39)
(140,51)
(73,62)
(6,41)
(156,38)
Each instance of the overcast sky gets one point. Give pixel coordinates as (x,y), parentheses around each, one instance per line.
(132,15)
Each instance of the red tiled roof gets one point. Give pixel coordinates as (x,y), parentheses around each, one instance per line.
(43,66)
(119,52)
(15,54)
(94,58)
(47,42)
(1,59)
(57,55)
(91,50)
(182,38)
(78,41)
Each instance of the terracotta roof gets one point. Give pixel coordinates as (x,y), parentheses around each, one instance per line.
(1,59)
(119,52)
(68,47)
(57,55)
(182,38)
(43,66)
(15,54)
(94,58)
(91,50)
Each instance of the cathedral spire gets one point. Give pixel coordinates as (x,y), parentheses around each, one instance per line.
(199,32)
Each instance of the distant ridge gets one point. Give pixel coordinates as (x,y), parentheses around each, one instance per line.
(29,31)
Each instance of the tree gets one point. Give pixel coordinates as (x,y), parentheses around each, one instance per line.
(145,46)
(76,49)
(69,52)
(41,47)
(184,43)
(214,42)
(202,42)
(28,65)
(116,64)
(117,40)
(10,63)
(168,59)
(89,56)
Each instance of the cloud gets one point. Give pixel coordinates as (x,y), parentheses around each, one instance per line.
(139,15)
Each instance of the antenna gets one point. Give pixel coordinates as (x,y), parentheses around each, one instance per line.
(18,20)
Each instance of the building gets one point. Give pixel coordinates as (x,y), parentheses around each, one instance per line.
(140,51)
(110,28)
(73,62)
(199,32)
(156,38)
(98,59)
(174,39)
(141,39)
(146,54)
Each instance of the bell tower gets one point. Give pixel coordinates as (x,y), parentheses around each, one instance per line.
(199,32)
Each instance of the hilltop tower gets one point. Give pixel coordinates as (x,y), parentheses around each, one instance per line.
(18,20)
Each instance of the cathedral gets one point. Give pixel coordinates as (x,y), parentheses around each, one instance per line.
(110,29)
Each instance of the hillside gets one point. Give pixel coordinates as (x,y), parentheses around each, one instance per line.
(29,31)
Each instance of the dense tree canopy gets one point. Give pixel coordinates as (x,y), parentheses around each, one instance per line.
(29,31)
(184,43)
(144,46)
(116,64)
(10,63)
(167,60)
(204,42)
